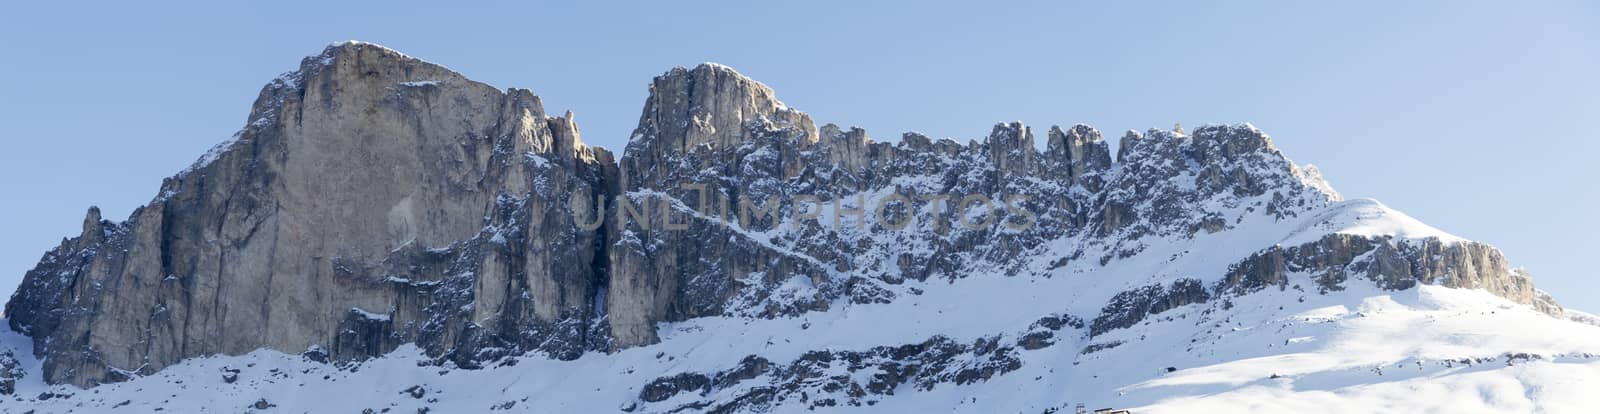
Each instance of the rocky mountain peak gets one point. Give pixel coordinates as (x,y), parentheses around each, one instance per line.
(375,200)
(92,222)
(711,104)
(1079,151)
(849,149)
(1011,149)
(711,109)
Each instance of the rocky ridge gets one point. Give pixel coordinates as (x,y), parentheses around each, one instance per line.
(375,200)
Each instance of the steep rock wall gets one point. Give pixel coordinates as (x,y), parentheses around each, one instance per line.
(374,200)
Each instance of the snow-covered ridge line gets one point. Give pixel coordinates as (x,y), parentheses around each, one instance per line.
(1367,217)
(328,52)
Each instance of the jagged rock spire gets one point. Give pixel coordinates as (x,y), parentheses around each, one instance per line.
(711,104)
(1078,150)
(1011,149)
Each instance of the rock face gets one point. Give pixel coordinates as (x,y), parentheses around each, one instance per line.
(375,200)
(10,371)
(1333,260)
(877,373)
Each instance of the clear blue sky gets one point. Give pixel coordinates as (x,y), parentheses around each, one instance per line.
(1478,117)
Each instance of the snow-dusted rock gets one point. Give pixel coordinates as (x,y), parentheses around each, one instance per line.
(376,204)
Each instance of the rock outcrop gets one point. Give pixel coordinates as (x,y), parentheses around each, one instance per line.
(372,199)
(375,200)
(1331,262)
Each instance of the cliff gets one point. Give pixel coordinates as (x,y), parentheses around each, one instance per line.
(374,200)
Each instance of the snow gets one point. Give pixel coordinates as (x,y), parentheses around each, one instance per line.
(1367,217)
(779,105)
(1311,176)
(1583,317)
(326,57)
(422,83)
(1402,352)
(1327,350)
(367,44)
(369,315)
(718,66)
(1356,351)
(538,160)
(214,154)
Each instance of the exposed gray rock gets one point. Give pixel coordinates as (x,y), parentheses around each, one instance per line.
(1331,262)
(10,371)
(374,200)
(1081,153)
(1130,307)
(366,182)
(1391,263)
(820,379)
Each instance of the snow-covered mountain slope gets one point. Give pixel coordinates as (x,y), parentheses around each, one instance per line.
(387,234)
(985,343)
(1362,350)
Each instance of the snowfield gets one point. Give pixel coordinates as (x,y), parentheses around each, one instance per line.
(1428,349)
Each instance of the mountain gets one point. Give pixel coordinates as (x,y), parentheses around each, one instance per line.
(385,233)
